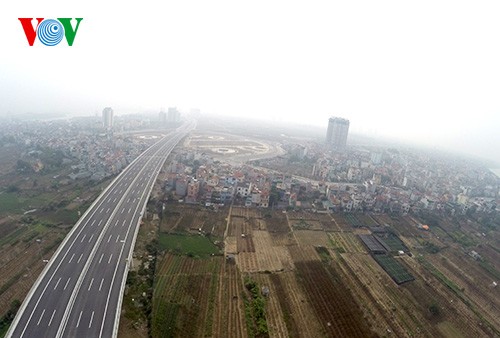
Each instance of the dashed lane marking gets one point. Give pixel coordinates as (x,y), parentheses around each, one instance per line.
(79,317)
(39,320)
(57,283)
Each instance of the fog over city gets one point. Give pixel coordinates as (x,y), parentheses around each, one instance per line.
(250,169)
(424,72)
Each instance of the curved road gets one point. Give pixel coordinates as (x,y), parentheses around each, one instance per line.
(79,293)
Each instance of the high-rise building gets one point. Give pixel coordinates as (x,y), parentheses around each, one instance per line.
(107,118)
(336,134)
(173,115)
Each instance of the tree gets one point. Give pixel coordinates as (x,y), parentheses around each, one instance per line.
(434,309)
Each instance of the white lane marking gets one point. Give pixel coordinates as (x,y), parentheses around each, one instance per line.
(85,235)
(93,222)
(109,199)
(133,191)
(128,201)
(57,283)
(129,210)
(39,320)
(114,200)
(99,223)
(79,259)
(109,238)
(91,281)
(117,222)
(117,238)
(100,259)
(52,317)
(100,285)
(123,224)
(91,318)
(79,317)
(101,209)
(123,210)
(107,211)
(109,260)
(133,201)
(91,237)
(66,285)
(71,258)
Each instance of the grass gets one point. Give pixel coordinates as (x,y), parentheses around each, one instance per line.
(323,253)
(255,316)
(9,202)
(164,321)
(464,240)
(191,245)
(63,216)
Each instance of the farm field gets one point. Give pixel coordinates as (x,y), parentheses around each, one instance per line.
(319,282)
(35,216)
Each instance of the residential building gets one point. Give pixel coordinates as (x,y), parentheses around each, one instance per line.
(107,118)
(336,134)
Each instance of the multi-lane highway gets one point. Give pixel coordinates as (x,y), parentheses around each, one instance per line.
(79,293)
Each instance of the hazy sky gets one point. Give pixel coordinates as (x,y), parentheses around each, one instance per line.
(422,70)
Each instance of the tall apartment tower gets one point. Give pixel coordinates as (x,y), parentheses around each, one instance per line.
(173,115)
(107,118)
(336,134)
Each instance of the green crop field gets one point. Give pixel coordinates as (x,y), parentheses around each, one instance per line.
(194,245)
(353,220)
(393,241)
(9,203)
(394,268)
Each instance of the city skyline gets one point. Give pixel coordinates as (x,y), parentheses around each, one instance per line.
(376,64)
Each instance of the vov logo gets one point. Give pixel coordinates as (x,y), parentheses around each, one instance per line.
(50,31)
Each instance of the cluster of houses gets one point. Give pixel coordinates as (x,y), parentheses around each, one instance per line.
(195,177)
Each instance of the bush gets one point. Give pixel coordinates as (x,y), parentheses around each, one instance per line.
(434,309)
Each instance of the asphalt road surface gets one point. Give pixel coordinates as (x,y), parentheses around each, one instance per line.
(79,293)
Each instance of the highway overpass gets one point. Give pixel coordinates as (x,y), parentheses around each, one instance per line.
(79,293)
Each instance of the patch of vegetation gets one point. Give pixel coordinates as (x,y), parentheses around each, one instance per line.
(464,240)
(442,278)
(137,302)
(255,310)
(7,319)
(394,268)
(13,188)
(431,247)
(434,310)
(323,253)
(191,245)
(164,322)
(9,203)
(302,225)
(429,218)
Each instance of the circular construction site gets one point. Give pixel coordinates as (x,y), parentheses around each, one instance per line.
(234,147)
(224,151)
